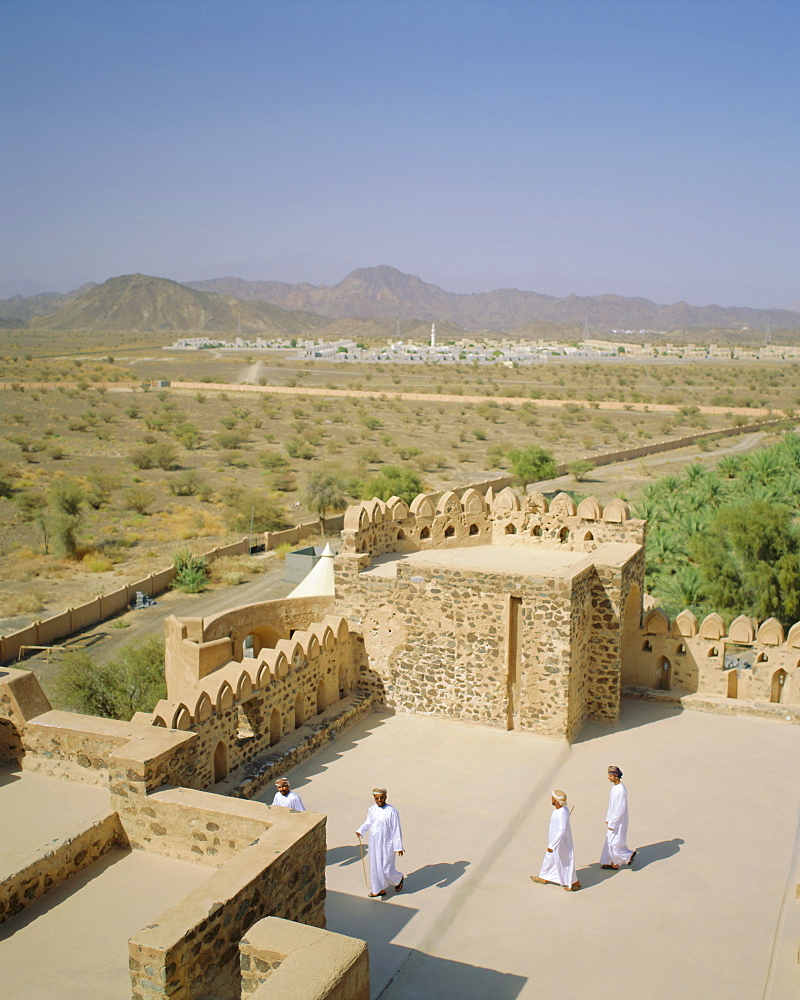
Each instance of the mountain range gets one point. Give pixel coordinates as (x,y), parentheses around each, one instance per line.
(380,294)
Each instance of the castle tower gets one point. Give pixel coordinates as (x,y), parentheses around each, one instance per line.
(433,335)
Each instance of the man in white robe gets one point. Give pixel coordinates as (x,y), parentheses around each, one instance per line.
(559,860)
(615,850)
(286,797)
(385,841)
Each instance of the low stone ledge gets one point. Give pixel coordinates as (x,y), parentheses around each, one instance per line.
(717,704)
(189,825)
(248,780)
(282,960)
(43,869)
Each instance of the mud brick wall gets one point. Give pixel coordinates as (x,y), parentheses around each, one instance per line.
(192,949)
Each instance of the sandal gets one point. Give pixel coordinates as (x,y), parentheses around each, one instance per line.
(374,895)
(541,881)
(614,868)
(632,857)
(399,885)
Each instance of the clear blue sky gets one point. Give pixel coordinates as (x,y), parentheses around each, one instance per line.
(637,147)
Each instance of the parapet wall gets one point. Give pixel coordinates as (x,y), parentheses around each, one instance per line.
(743,661)
(238,710)
(375,527)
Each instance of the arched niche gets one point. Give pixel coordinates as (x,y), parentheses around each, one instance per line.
(686,623)
(220,762)
(663,678)
(202,708)
(741,630)
(275,727)
(536,503)
(770,633)
(656,622)
(510,528)
(396,509)
(244,686)
(448,503)
(449,531)
(712,627)
(344,685)
(589,508)
(474,529)
(563,534)
(505,502)
(778,686)
(472,502)
(299,711)
(322,700)
(224,697)
(563,505)
(422,506)
(356,518)
(182,718)
(617,511)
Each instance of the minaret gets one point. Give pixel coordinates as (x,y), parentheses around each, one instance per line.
(433,335)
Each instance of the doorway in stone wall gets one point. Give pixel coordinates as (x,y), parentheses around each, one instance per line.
(220,762)
(778,686)
(513,655)
(733,684)
(663,675)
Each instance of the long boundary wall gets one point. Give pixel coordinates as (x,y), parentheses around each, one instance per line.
(49,630)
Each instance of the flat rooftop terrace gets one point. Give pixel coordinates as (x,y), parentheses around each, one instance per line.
(35,811)
(72,944)
(514,560)
(708,909)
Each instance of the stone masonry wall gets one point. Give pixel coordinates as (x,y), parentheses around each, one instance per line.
(192,949)
(189,825)
(44,869)
(251,704)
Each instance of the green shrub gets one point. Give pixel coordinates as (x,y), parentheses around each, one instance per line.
(191,572)
(132,682)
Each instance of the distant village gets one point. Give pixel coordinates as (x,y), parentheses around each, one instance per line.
(506,352)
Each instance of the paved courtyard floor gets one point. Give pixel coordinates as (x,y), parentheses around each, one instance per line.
(708,909)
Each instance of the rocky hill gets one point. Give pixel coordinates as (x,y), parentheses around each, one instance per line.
(143,303)
(384,292)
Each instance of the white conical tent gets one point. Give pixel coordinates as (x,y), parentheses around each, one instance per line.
(318,582)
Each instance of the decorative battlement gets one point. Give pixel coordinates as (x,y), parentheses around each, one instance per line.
(745,661)
(375,526)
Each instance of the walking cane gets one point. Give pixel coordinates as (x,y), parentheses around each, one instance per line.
(363,863)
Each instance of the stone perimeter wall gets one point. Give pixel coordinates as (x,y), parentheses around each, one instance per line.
(695,658)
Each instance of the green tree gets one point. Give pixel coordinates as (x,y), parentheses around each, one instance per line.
(531,464)
(326,490)
(66,503)
(749,560)
(580,468)
(392,481)
(132,682)
(264,511)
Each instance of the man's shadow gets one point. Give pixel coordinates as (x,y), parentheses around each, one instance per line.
(342,856)
(440,875)
(647,855)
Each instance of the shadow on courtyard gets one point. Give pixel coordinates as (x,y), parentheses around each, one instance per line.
(440,875)
(594,875)
(400,973)
(634,714)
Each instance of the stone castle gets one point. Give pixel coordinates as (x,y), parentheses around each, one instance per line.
(506,611)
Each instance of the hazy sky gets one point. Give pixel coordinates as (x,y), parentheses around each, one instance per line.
(638,147)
